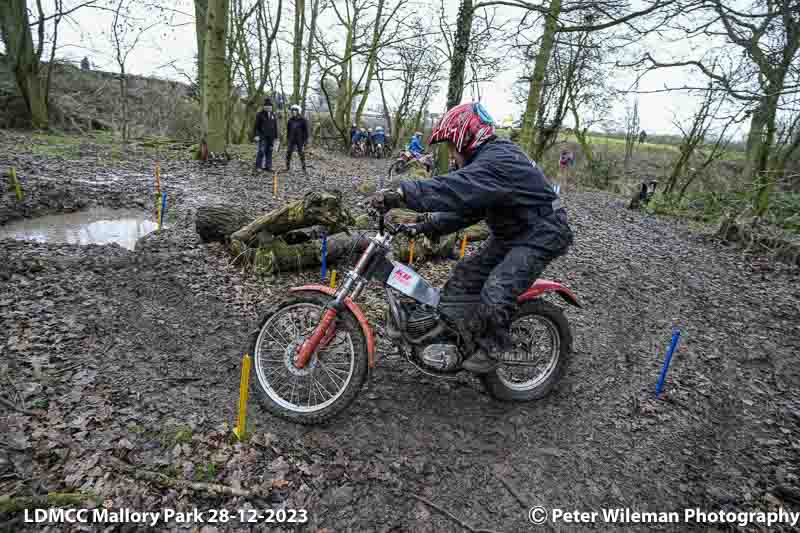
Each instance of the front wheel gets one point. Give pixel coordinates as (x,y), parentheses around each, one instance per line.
(541,345)
(334,374)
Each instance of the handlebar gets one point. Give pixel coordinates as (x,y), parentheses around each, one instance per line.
(386,227)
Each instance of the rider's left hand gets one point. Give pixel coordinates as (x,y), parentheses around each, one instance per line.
(386,199)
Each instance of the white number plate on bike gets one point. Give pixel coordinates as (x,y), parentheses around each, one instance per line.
(404,279)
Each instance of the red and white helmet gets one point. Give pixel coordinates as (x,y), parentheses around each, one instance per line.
(467,126)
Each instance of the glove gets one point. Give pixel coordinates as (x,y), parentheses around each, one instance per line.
(386,199)
(412,230)
(422,227)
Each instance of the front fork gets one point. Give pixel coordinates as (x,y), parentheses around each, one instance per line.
(326,329)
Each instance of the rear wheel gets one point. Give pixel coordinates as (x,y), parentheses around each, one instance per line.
(333,376)
(533,366)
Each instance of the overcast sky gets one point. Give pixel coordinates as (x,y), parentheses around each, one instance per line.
(87,34)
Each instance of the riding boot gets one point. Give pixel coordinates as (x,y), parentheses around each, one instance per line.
(480,362)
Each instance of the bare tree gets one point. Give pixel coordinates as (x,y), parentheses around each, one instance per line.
(351,69)
(216,88)
(761,77)
(631,131)
(25,60)
(253,38)
(126,32)
(695,141)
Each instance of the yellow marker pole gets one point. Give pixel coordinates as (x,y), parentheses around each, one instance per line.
(15,182)
(463,245)
(158,177)
(158,216)
(274,184)
(333,279)
(244,387)
(411,252)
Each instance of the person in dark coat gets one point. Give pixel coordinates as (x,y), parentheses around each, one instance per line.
(497,182)
(265,133)
(296,137)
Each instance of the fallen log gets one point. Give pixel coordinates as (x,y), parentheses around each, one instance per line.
(215,223)
(299,249)
(316,208)
(278,256)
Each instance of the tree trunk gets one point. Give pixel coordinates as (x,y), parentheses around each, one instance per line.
(527,138)
(311,33)
(200,22)
(216,223)
(123,89)
(16,32)
(373,57)
(455,84)
(342,112)
(216,73)
(387,115)
(316,208)
(299,26)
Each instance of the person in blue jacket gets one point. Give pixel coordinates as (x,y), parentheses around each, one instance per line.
(356,137)
(415,146)
(378,137)
(495,181)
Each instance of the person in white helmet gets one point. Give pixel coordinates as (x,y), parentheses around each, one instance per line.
(296,137)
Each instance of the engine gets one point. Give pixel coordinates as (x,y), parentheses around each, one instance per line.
(435,350)
(431,339)
(420,322)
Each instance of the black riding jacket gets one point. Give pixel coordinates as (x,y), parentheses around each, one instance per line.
(499,184)
(266,125)
(297,131)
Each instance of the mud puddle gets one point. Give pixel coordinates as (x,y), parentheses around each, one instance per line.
(91,226)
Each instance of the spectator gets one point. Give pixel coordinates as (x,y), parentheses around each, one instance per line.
(642,137)
(85,65)
(266,130)
(353,131)
(296,137)
(415,146)
(369,140)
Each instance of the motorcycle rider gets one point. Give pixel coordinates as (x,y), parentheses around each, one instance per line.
(497,182)
(355,138)
(415,146)
(379,139)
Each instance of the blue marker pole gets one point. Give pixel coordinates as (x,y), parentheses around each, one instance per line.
(163,207)
(676,334)
(324,255)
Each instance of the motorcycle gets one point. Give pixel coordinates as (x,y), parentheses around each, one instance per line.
(378,150)
(358,149)
(313,350)
(404,159)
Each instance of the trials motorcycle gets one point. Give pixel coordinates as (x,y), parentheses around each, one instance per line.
(313,350)
(404,159)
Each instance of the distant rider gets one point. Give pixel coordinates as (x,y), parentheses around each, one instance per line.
(415,146)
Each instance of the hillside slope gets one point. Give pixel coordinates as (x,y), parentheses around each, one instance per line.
(90,99)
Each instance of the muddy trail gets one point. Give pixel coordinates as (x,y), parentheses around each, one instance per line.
(120,371)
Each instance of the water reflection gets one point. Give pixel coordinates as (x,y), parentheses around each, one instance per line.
(92,226)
